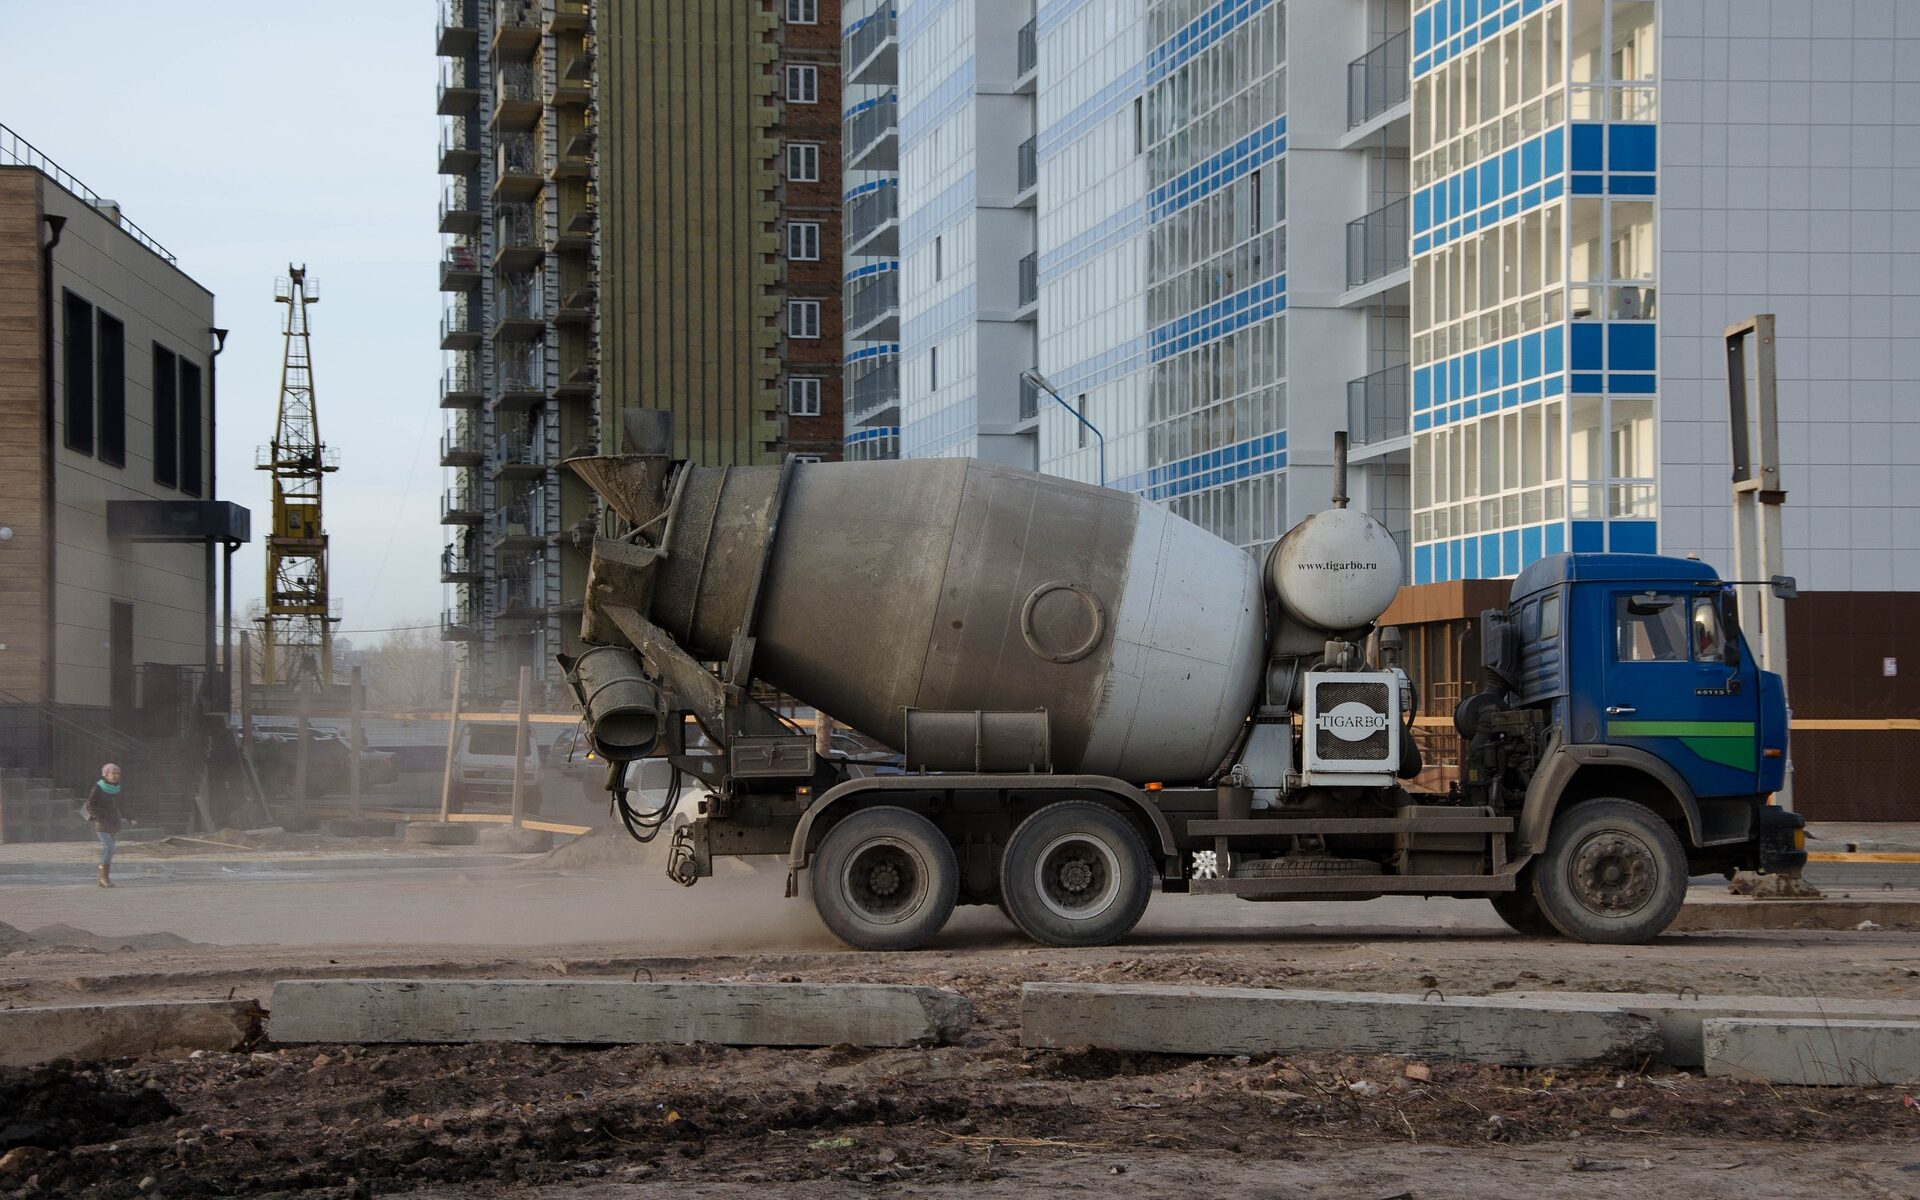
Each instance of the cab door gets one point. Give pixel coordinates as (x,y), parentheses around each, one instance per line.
(1675,688)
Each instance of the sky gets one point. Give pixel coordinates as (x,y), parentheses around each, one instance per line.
(246,135)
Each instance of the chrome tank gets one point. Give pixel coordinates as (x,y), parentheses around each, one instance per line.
(958,584)
(1336,571)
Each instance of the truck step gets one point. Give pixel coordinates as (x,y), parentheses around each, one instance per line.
(1290,825)
(1365,885)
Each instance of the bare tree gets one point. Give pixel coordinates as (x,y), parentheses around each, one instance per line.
(408,670)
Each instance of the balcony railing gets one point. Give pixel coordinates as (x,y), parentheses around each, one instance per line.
(459,624)
(458,565)
(516,25)
(460,445)
(1377,405)
(459,85)
(1028,53)
(1029,163)
(875,32)
(457,29)
(872,392)
(870,134)
(868,211)
(459,148)
(1377,80)
(520,448)
(1377,243)
(873,299)
(460,506)
(1030,279)
(460,386)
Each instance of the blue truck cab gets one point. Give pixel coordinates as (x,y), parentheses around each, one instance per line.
(1626,719)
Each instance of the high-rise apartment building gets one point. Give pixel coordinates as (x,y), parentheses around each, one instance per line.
(720,230)
(520,387)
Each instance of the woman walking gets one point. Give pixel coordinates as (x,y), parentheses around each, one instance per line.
(105,809)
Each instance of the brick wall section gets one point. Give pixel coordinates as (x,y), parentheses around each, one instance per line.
(23,503)
(818,44)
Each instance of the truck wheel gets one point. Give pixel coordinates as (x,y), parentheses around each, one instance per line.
(885,879)
(1521,911)
(1613,872)
(1075,874)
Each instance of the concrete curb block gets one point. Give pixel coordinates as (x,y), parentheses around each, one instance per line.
(88,1032)
(614,1012)
(358,827)
(1680,1019)
(434,833)
(1815,1053)
(1734,915)
(1159,1019)
(505,839)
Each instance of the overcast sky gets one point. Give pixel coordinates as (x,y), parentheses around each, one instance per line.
(242,134)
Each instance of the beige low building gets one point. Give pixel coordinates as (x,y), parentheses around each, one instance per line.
(109,530)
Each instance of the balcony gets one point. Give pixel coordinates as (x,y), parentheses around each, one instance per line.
(459,268)
(458,30)
(1029,399)
(521,455)
(520,381)
(575,160)
(516,97)
(459,148)
(872,135)
(576,220)
(873,307)
(573,84)
(569,16)
(1377,80)
(576,303)
(459,210)
(577,373)
(459,86)
(517,165)
(517,312)
(1026,58)
(516,29)
(1377,406)
(459,625)
(517,597)
(516,238)
(459,565)
(459,327)
(1030,280)
(460,388)
(872,50)
(873,393)
(1377,244)
(873,226)
(460,506)
(460,445)
(518,531)
(1028,171)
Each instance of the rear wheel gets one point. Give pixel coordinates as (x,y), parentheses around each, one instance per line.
(885,879)
(1613,872)
(1075,874)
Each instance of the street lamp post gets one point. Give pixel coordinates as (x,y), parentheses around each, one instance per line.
(1040,381)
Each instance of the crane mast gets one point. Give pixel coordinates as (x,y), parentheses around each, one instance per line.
(297,627)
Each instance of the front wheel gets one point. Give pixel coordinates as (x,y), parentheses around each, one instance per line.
(1613,872)
(885,879)
(1075,874)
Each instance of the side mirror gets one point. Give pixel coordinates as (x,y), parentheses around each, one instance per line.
(1784,587)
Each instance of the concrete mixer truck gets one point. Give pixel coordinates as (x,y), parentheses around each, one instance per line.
(1081,695)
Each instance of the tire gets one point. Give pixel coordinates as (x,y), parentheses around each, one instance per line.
(1521,911)
(1076,874)
(1613,873)
(885,879)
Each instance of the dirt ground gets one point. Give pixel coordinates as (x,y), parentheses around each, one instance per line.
(984,1117)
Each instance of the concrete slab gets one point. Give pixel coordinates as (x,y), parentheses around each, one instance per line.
(1199,1020)
(614,1012)
(505,839)
(1816,1053)
(1679,1018)
(87,1032)
(436,833)
(1740,913)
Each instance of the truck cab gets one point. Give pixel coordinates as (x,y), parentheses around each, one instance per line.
(1625,677)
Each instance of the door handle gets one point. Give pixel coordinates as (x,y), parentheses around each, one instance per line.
(1620,710)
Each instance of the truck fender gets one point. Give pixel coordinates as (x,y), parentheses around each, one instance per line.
(1561,763)
(842,794)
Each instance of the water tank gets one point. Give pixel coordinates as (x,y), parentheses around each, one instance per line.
(959,584)
(1336,571)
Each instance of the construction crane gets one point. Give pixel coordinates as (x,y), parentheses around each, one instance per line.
(296,631)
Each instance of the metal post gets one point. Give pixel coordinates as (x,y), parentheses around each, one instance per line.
(453,740)
(356,733)
(520,736)
(1040,381)
(1758,552)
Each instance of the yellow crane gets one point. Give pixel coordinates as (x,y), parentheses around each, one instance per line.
(296,631)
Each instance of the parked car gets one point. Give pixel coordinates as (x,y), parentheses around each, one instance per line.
(483,765)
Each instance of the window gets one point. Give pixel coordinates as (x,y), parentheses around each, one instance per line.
(1080,407)
(803,12)
(1650,628)
(803,458)
(1709,643)
(803,318)
(803,162)
(190,450)
(1550,618)
(112,384)
(933,368)
(803,396)
(166,417)
(803,241)
(78,358)
(939,260)
(803,84)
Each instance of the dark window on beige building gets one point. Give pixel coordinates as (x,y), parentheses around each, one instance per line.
(111,381)
(166,418)
(191,451)
(79,370)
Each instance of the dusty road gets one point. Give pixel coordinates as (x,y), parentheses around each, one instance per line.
(987,1117)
